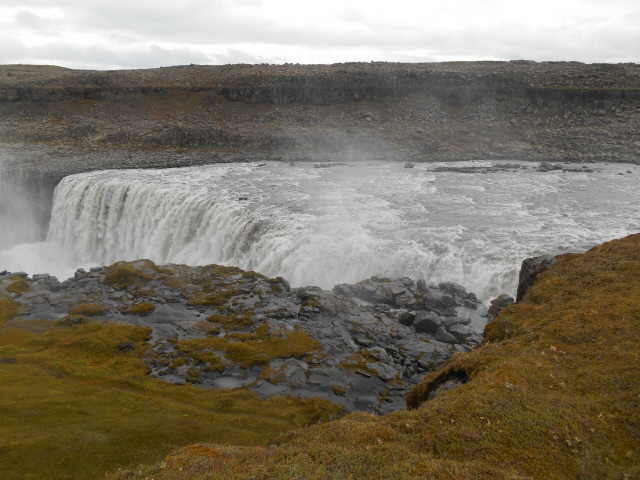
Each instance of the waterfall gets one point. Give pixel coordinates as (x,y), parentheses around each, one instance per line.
(99,218)
(323,226)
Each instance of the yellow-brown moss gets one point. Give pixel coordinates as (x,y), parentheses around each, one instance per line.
(233,321)
(254,351)
(552,394)
(8,309)
(216,298)
(312,302)
(358,362)
(89,310)
(73,319)
(339,390)
(19,286)
(126,274)
(74,406)
(143,308)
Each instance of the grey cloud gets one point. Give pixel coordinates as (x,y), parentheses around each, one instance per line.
(11,49)
(234,55)
(200,26)
(100,57)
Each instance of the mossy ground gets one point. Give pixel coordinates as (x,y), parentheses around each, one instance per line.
(8,309)
(73,406)
(130,274)
(89,310)
(18,286)
(141,309)
(553,394)
(251,349)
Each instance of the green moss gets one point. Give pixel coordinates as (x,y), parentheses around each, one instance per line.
(89,310)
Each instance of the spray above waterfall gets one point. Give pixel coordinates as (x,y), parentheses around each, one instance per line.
(323,226)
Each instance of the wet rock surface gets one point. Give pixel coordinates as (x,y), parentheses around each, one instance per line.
(362,346)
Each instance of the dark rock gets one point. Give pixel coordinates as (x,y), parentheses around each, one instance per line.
(407,318)
(125,347)
(427,322)
(442,335)
(449,380)
(498,304)
(548,167)
(530,269)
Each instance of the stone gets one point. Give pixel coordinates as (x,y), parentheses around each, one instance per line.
(548,167)
(498,304)
(383,370)
(125,347)
(407,318)
(529,271)
(442,335)
(427,322)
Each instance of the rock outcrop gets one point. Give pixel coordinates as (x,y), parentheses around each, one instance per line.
(362,346)
(529,271)
(547,111)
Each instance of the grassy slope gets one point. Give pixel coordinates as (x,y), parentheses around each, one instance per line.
(73,406)
(553,394)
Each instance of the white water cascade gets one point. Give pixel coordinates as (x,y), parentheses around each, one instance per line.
(323,226)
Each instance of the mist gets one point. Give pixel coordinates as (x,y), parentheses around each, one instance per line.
(17,212)
(23,220)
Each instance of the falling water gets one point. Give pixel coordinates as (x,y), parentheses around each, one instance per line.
(325,226)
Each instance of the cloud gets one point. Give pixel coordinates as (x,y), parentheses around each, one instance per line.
(142,33)
(99,57)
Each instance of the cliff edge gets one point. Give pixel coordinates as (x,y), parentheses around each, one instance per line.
(424,112)
(551,394)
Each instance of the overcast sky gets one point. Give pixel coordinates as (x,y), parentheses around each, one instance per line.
(109,34)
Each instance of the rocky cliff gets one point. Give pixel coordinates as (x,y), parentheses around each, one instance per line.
(445,111)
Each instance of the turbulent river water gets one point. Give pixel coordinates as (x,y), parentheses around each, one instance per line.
(344,223)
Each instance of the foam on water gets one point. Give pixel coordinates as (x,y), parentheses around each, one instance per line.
(325,226)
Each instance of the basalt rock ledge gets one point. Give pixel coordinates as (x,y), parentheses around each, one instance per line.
(361,346)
